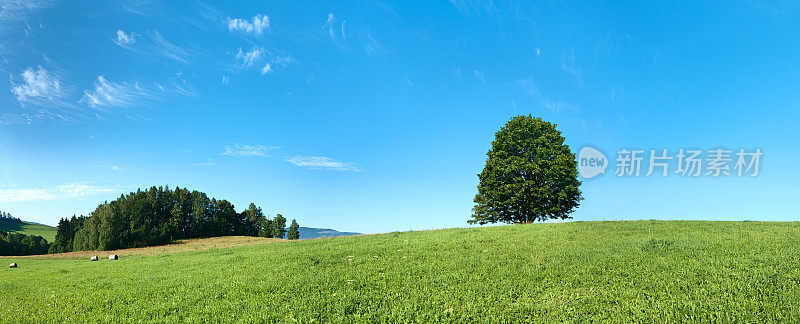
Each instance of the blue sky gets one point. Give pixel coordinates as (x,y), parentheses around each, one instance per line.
(375,117)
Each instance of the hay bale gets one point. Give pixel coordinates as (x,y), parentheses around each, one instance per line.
(113,257)
(13,265)
(94,258)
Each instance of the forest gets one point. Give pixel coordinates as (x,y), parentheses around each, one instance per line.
(159,216)
(22,244)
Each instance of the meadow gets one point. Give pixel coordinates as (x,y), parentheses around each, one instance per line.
(49,233)
(641,271)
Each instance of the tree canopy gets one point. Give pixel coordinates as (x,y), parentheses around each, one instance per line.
(22,244)
(530,175)
(279,226)
(158,216)
(294,231)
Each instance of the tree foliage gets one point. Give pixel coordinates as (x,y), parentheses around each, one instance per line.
(158,216)
(530,175)
(65,234)
(294,231)
(21,244)
(7,217)
(278,226)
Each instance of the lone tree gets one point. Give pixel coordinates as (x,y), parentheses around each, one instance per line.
(294,231)
(530,175)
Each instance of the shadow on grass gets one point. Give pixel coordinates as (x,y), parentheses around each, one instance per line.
(11,226)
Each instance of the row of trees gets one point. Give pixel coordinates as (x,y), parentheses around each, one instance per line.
(7,217)
(21,244)
(158,216)
(272,228)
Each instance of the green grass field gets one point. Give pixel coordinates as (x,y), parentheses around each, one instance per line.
(644,271)
(49,233)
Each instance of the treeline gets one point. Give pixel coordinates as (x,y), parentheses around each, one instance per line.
(7,217)
(159,216)
(21,244)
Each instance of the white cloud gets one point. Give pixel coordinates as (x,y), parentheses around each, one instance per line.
(111,94)
(12,11)
(39,88)
(372,46)
(282,60)
(248,150)
(250,57)
(344,34)
(322,162)
(407,80)
(529,87)
(329,26)
(476,7)
(168,49)
(124,39)
(62,192)
(257,56)
(568,66)
(277,63)
(180,85)
(266,69)
(256,26)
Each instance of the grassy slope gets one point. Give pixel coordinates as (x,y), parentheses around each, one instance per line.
(49,233)
(177,247)
(622,271)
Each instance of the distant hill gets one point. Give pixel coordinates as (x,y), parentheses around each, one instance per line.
(49,233)
(312,233)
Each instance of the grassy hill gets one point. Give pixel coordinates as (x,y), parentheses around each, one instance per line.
(49,233)
(646,271)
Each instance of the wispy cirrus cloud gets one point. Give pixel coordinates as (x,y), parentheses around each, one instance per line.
(248,150)
(39,88)
(110,94)
(249,58)
(256,26)
(529,87)
(322,162)
(352,39)
(169,50)
(475,7)
(125,39)
(277,63)
(329,26)
(12,11)
(258,56)
(62,192)
(568,66)
(558,105)
(42,94)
